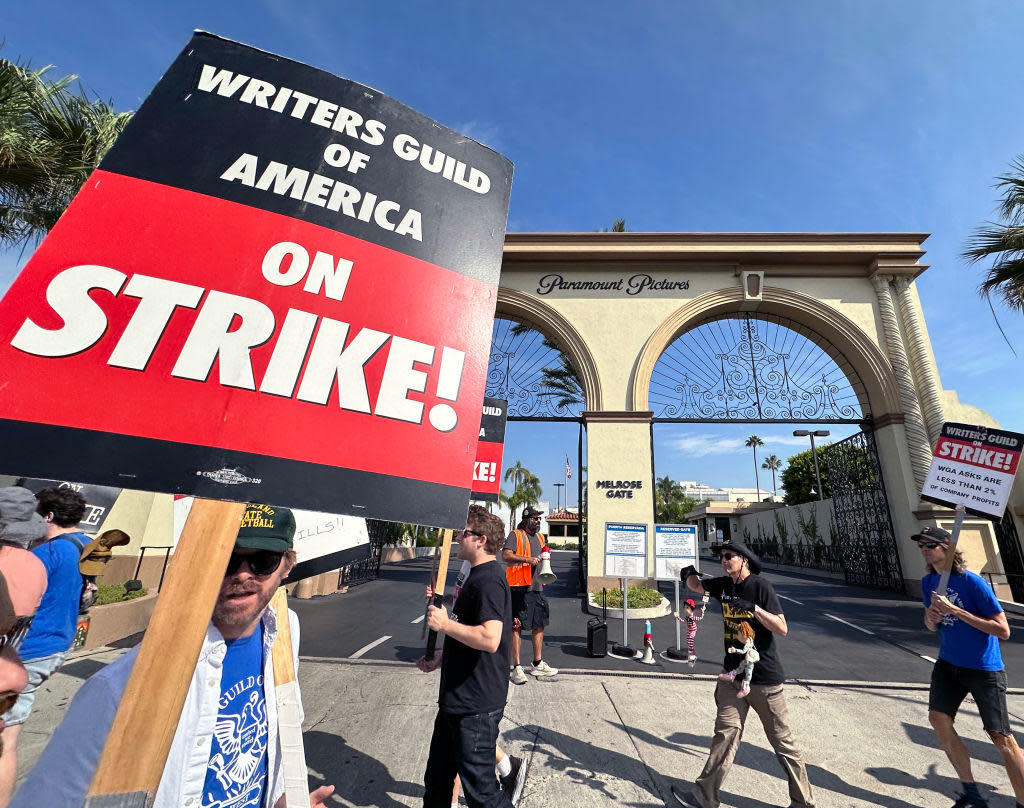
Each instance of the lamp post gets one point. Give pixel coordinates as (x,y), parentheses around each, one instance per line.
(559,486)
(819,433)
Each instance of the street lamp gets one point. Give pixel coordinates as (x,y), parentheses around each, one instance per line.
(818,433)
(559,486)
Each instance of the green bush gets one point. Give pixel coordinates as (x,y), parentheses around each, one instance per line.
(426,541)
(640,597)
(569,545)
(115,593)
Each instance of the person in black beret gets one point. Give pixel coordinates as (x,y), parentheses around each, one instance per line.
(748,600)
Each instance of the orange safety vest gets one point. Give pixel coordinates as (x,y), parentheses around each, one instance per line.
(522,574)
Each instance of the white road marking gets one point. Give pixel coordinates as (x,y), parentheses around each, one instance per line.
(418,619)
(851,625)
(927,658)
(791,600)
(370,647)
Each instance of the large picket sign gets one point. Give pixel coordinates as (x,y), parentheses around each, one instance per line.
(973,466)
(280,285)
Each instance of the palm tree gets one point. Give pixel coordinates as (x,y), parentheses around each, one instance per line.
(1003,242)
(773,463)
(52,139)
(563,380)
(666,487)
(753,442)
(619,226)
(526,490)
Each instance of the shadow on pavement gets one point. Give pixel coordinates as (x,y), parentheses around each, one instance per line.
(357,778)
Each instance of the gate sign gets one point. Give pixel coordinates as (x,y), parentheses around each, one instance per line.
(487,469)
(973,466)
(675,547)
(625,550)
(280,285)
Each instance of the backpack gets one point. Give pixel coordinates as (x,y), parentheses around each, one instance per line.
(89,592)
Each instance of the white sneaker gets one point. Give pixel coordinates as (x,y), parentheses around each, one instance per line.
(518,677)
(543,669)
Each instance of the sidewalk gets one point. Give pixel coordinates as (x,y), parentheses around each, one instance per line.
(596,738)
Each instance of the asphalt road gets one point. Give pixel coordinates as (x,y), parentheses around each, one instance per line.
(836,632)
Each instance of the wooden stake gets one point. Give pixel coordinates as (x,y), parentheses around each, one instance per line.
(133,758)
(289,708)
(954,537)
(441,579)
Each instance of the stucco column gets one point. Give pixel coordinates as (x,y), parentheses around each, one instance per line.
(919,350)
(618,457)
(917,436)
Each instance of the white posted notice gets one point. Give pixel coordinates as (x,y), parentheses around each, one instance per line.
(675,547)
(625,550)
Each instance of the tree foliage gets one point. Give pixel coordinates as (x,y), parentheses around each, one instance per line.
(753,442)
(670,504)
(1003,242)
(527,489)
(561,381)
(798,477)
(773,464)
(51,138)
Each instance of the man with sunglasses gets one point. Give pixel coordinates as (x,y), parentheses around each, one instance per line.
(970,623)
(474,673)
(747,599)
(226,749)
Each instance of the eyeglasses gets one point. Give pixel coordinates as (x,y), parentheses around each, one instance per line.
(929,545)
(467,532)
(730,556)
(16,634)
(262,562)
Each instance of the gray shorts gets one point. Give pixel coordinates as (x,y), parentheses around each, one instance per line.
(39,670)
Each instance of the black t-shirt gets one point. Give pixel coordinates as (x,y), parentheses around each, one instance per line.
(474,681)
(768,670)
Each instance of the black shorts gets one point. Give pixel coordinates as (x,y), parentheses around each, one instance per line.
(951,684)
(530,608)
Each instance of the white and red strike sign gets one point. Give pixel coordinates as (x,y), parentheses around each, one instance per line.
(280,285)
(974,466)
(487,469)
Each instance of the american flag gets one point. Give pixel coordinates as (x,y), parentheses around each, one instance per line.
(568,471)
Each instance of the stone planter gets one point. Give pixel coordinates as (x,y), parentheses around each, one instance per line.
(115,621)
(663,608)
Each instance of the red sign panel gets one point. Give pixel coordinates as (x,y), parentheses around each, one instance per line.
(280,285)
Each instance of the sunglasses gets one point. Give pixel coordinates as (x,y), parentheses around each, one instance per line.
(262,562)
(929,545)
(467,532)
(730,556)
(14,636)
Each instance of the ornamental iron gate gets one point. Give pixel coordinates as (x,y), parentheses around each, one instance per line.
(867,543)
(368,568)
(529,370)
(754,367)
(1010,551)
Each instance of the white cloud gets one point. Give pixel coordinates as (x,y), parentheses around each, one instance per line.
(712,444)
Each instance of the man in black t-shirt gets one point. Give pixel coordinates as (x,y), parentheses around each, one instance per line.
(474,673)
(747,598)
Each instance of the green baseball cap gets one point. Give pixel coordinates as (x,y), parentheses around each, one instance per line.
(266,528)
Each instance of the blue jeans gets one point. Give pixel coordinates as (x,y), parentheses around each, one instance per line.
(464,745)
(39,670)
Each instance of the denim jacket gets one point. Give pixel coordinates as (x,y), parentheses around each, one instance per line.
(61,776)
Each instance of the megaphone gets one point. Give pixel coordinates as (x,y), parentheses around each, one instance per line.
(544,573)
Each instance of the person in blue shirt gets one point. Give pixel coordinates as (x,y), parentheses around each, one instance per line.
(970,623)
(53,628)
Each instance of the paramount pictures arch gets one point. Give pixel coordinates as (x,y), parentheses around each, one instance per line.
(614,304)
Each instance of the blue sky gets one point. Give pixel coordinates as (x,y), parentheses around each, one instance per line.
(678,116)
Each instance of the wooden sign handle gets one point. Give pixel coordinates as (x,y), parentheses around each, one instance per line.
(289,708)
(441,579)
(136,750)
(954,537)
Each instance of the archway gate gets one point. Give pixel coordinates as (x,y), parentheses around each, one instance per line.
(614,302)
